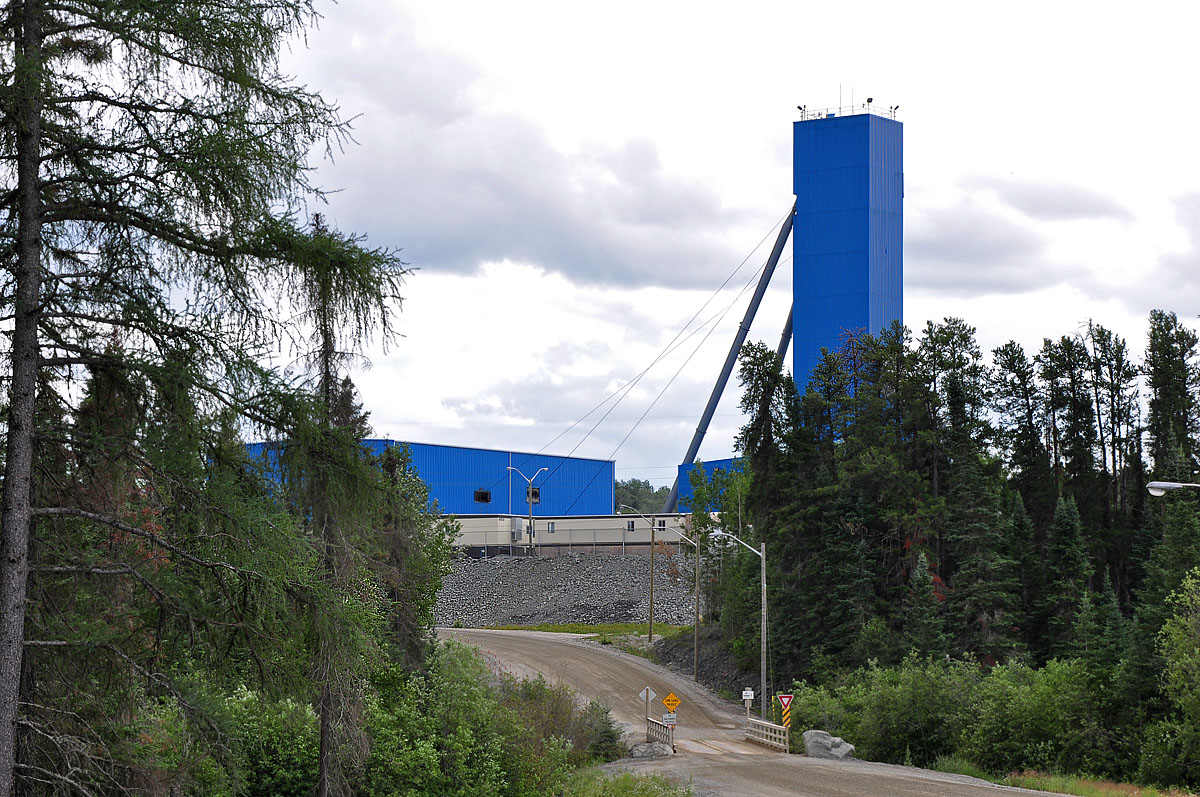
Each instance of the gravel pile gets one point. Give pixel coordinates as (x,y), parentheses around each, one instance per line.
(577,588)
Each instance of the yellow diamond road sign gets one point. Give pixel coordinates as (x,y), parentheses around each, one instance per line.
(671,702)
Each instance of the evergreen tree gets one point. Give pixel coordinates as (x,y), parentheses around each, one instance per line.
(1021,408)
(1171,370)
(984,591)
(1020,548)
(1067,571)
(152,151)
(924,628)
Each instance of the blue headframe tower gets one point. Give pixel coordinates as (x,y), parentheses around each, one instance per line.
(848,236)
(847,229)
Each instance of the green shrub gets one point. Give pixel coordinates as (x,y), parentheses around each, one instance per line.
(1170,755)
(915,712)
(1046,719)
(911,713)
(276,743)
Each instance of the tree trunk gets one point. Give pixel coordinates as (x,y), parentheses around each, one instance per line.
(18,469)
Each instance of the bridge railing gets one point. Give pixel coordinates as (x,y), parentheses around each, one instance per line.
(767,733)
(657,732)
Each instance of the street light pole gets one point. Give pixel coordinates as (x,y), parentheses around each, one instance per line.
(650,625)
(529,497)
(762,653)
(1162,488)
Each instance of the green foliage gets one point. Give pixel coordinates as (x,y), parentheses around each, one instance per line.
(593,783)
(639,494)
(913,712)
(276,745)
(453,729)
(1047,719)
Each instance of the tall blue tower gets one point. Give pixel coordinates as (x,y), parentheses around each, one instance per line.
(848,235)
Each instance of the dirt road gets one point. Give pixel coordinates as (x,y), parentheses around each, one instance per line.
(712,755)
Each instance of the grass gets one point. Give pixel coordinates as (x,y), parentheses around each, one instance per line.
(1083,787)
(594,783)
(1065,784)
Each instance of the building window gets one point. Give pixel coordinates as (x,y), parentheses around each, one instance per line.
(662,524)
(483,496)
(550,527)
(629,525)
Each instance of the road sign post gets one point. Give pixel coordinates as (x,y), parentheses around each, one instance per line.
(649,695)
(748,697)
(785,701)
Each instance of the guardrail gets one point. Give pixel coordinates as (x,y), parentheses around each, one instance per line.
(657,732)
(767,733)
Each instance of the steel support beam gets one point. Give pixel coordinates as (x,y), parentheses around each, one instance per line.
(731,358)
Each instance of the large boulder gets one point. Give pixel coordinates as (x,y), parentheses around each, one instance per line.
(650,750)
(819,744)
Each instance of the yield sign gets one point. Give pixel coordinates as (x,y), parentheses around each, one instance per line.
(785,701)
(671,702)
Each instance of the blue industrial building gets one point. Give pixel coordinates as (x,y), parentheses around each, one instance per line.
(848,233)
(476,481)
(729,465)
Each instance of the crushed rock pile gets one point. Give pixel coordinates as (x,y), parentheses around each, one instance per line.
(576,588)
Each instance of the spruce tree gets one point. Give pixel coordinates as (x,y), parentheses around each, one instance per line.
(1067,573)
(924,628)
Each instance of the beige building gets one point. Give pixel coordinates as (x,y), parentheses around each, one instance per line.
(492,535)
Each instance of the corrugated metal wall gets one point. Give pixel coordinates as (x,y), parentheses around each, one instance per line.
(685,482)
(571,486)
(848,233)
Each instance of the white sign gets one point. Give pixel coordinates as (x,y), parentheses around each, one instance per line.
(747,694)
(647,694)
(669,719)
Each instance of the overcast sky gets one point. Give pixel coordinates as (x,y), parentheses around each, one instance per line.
(574,181)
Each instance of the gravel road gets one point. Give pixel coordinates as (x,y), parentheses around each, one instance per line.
(712,755)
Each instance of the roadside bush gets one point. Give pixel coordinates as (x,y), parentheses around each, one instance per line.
(445,731)
(276,743)
(915,712)
(454,729)
(1170,755)
(588,728)
(911,713)
(1045,719)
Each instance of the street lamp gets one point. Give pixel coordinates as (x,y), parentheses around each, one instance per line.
(529,496)
(1162,488)
(650,626)
(762,555)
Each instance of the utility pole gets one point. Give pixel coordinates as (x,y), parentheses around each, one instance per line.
(529,497)
(650,626)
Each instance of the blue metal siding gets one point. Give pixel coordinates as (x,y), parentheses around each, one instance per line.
(730,465)
(848,232)
(570,487)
